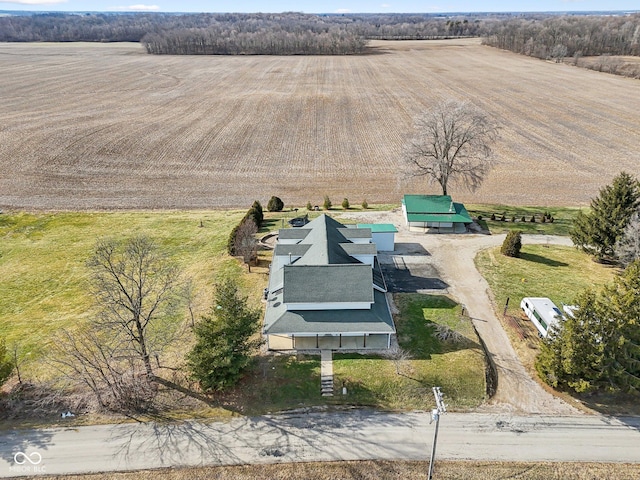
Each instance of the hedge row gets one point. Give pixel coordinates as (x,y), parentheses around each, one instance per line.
(254,213)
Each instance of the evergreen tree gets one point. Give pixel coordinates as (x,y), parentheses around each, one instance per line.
(598,348)
(275,204)
(255,213)
(225,339)
(572,354)
(597,232)
(512,244)
(623,301)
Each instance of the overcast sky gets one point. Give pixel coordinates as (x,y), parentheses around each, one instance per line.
(318,6)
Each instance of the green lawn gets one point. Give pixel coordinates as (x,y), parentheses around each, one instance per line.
(43,277)
(559,273)
(284,382)
(563,218)
(43,288)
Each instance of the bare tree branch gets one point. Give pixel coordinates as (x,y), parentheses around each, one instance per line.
(627,248)
(246,244)
(134,287)
(452,144)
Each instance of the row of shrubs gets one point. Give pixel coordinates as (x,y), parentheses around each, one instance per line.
(546,217)
(277,205)
(345,204)
(254,214)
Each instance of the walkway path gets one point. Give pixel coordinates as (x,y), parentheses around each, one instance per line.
(326,373)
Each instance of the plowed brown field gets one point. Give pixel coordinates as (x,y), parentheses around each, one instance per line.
(88,126)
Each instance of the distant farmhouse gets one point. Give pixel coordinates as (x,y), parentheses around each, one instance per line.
(436,213)
(326,290)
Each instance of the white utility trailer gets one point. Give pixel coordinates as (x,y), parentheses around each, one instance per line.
(542,312)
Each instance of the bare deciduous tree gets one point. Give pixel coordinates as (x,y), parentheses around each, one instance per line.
(627,248)
(245,243)
(136,291)
(91,358)
(452,144)
(558,52)
(399,356)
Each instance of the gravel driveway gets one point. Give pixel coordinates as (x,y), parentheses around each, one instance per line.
(450,258)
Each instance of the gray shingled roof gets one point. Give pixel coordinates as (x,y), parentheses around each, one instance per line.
(356,232)
(359,248)
(326,273)
(328,283)
(324,238)
(377,319)
(297,250)
(293,233)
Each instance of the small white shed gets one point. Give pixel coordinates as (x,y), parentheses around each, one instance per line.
(382,234)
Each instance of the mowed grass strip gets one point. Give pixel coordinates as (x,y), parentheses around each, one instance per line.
(44,279)
(385,470)
(562,218)
(556,272)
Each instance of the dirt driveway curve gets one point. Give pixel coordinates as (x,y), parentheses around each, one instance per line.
(453,257)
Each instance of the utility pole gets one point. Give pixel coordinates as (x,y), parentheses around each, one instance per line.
(435,415)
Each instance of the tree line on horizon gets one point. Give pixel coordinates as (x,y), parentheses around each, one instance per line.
(293,33)
(567,36)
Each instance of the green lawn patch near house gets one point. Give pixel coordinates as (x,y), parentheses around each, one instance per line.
(556,272)
(44,288)
(562,218)
(283,382)
(457,367)
(44,278)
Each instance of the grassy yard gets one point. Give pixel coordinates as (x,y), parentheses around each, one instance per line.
(280,382)
(43,277)
(43,288)
(274,221)
(559,273)
(562,218)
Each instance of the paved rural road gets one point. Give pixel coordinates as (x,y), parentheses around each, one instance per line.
(319,436)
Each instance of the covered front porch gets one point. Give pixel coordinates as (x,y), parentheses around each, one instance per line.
(323,341)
